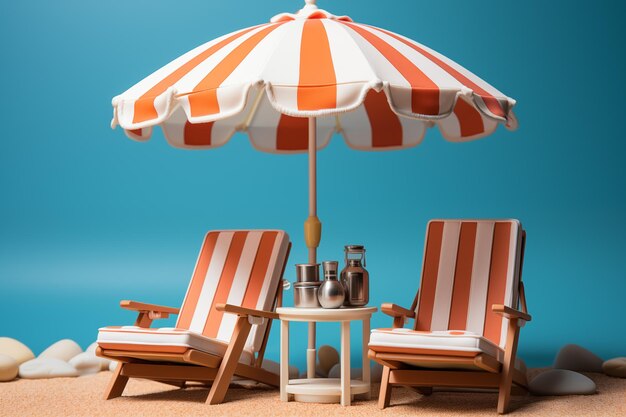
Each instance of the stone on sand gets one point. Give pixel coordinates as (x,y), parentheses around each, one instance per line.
(88,363)
(106,363)
(615,367)
(15,349)
(327,357)
(561,382)
(8,368)
(46,368)
(274,367)
(577,358)
(64,350)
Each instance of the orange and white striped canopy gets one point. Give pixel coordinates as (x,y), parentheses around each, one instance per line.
(378,89)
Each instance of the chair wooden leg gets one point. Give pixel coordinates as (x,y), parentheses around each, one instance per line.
(508,368)
(117,384)
(384,396)
(229,362)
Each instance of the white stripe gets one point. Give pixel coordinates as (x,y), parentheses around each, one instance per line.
(413,131)
(212,278)
(283,66)
(240,283)
(480,277)
(445,277)
(450,127)
(195,268)
(262,130)
(349,63)
(268,290)
(282,71)
(356,128)
(512,278)
(253,66)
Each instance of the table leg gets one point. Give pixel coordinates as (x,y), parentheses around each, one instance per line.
(366,360)
(310,352)
(345,363)
(284,359)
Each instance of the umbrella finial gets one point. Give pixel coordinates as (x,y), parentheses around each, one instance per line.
(310,4)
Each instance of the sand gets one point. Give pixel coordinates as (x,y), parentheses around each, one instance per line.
(83,397)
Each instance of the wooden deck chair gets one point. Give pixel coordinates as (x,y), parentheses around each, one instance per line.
(467,323)
(223,324)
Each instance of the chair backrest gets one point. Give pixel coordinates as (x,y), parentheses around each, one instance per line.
(469,265)
(240,267)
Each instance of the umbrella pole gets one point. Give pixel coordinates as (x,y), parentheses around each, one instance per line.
(312,225)
(312,233)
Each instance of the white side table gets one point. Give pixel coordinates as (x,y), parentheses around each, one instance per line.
(325,390)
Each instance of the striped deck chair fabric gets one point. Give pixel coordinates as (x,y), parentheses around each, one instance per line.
(241,268)
(468,266)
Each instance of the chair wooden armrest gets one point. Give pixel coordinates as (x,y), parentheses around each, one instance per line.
(399,314)
(510,313)
(395,310)
(137,306)
(148,312)
(242,311)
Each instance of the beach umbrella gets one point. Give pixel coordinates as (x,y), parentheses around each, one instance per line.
(293,82)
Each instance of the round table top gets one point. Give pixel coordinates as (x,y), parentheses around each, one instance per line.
(325,314)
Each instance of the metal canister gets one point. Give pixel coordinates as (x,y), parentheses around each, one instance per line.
(355,277)
(331,293)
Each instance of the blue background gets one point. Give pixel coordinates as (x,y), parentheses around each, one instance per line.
(88,217)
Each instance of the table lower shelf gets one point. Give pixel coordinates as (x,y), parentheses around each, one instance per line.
(323,390)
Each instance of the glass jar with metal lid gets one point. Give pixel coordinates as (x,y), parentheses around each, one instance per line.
(355,277)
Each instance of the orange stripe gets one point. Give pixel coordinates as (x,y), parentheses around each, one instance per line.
(198,134)
(470,120)
(490,101)
(144,348)
(292,133)
(429,276)
(317,87)
(463,277)
(225,283)
(203,100)
(422,351)
(144,106)
(385,124)
(259,270)
(425,93)
(197,281)
(497,280)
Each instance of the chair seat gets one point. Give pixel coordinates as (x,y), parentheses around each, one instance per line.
(443,343)
(163,340)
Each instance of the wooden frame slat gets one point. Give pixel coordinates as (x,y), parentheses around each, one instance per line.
(168,372)
(443,379)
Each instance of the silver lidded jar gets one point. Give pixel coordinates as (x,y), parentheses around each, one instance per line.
(331,293)
(355,277)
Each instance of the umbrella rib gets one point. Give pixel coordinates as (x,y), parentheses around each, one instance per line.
(255,106)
